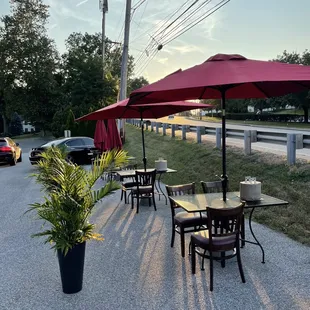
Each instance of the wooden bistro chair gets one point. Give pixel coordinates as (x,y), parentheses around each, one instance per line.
(184,222)
(222,239)
(216,187)
(128,183)
(212,187)
(145,183)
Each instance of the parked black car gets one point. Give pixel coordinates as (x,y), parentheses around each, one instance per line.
(10,152)
(81,150)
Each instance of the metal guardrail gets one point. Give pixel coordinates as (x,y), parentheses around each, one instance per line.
(292,141)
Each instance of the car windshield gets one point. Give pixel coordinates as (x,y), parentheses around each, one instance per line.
(54,142)
(2,143)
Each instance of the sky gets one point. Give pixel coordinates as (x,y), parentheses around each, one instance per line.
(257,29)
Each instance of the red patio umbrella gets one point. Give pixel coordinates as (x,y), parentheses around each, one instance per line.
(100,135)
(226,77)
(113,138)
(156,110)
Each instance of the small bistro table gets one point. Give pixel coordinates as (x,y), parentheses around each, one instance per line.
(200,202)
(131,174)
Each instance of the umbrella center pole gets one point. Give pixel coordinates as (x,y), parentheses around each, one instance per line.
(143,143)
(224,176)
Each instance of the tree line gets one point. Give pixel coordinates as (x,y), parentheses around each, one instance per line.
(47,89)
(299,100)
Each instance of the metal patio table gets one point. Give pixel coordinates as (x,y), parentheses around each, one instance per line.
(200,202)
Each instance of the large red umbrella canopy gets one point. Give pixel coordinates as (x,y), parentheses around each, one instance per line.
(157,110)
(238,76)
(121,109)
(100,135)
(113,140)
(226,77)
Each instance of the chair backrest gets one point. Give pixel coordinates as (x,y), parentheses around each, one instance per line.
(182,189)
(130,167)
(177,190)
(224,227)
(145,178)
(212,187)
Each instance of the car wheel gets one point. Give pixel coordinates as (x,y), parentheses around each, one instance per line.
(70,159)
(13,161)
(20,159)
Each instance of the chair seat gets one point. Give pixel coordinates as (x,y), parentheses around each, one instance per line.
(129,184)
(190,219)
(143,190)
(201,239)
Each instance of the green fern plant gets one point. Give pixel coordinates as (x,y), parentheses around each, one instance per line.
(69,196)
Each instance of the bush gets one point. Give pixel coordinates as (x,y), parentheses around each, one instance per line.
(16,126)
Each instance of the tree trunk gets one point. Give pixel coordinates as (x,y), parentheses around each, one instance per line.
(306,114)
(5,125)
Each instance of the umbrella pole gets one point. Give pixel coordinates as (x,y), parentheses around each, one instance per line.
(143,145)
(224,175)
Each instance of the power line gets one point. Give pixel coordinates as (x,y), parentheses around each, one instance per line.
(168,16)
(151,51)
(221,4)
(150,45)
(187,18)
(179,16)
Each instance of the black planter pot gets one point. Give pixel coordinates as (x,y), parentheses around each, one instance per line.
(71,268)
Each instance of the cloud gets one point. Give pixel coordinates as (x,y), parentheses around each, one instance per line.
(162,60)
(185,48)
(52,26)
(59,11)
(82,2)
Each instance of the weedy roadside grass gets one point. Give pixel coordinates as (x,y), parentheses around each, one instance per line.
(196,162)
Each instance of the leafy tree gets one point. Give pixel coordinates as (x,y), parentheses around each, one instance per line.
(29,62)
(136,83)
(299,100)
(16,126)
(237,105)
(84,85)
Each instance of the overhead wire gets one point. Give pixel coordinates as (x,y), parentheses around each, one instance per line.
(142,59)
(144,55)
(184,12)
(160,38)
(187,18)
(214,9)
(166,20)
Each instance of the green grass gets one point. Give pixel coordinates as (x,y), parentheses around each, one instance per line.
(26,136)
(195,162)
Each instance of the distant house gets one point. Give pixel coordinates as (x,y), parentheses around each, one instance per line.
(27,127)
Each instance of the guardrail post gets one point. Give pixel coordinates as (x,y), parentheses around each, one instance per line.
(253,135)
(173,130)
(247,142)
(157,127)
(152,126)
(299,141)
(291,148)
(218,134)
(164,129)
(184,132)
(199,133)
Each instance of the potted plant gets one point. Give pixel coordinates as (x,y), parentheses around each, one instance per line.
(68,202)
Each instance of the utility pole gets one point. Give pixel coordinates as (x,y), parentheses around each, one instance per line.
(123,86)
(103,6)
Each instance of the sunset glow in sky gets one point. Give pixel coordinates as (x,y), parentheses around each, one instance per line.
(256,29)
